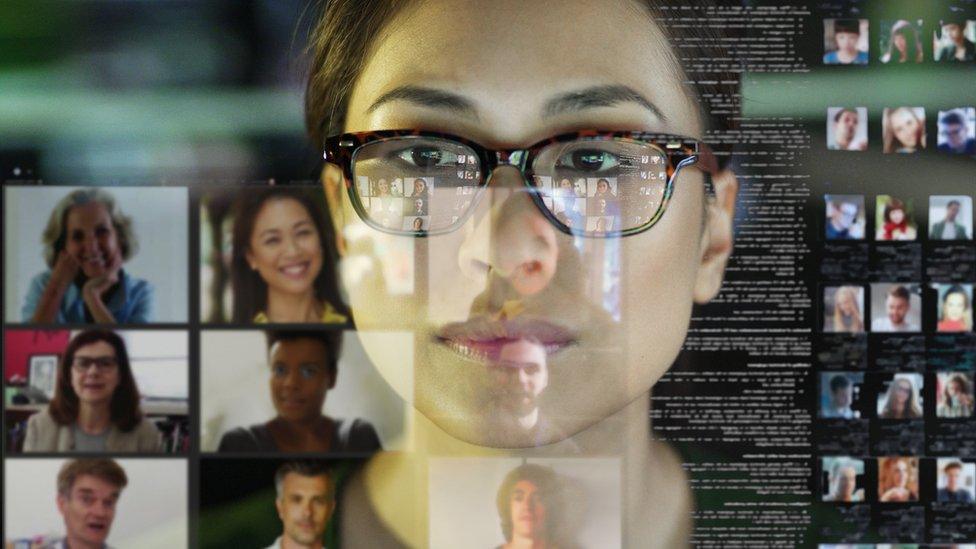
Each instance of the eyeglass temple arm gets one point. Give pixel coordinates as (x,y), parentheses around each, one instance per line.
(707,162)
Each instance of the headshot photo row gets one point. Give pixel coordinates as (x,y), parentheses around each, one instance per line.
(950,217)
(949,39)
(105,255)
(900,479)
(846,396)
(903,130)
(897,307)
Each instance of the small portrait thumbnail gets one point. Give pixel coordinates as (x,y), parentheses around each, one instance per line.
(839,392)
(601,188)
(417,224)
(903,130)
(292,390)
(950,217)
(901,41)
(847,128)
(263,257)
(955,481)
(895,307)
(955,307)
(421,188)
(843,309)
(897,479)
(957,131)
(955,40)
(845,42)
(954,395)
(95,502)
(273,503)
(503,502)
(95,255)
(895,219)
(97,390)
(845,217)
(842,480)
(901,397)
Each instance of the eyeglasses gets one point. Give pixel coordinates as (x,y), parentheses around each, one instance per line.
(101,363)
(587,183)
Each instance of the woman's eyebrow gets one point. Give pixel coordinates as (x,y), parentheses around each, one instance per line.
(572,101)
(428,97)
(598,96)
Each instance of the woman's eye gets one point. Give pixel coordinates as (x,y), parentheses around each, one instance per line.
(426,156)
(272,241)
(278,371)
(590,161)
(308,372)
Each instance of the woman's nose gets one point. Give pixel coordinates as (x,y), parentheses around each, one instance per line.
(291,246)
(89,243)
(512,239)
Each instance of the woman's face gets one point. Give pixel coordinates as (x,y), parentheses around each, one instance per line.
(901,43)
(846,482)
(899,474)
(300,377)
(602,186)
(383,187)
(528,510)
(955,388)
(954,306)
(95,373)
(905,127)
(847,303)
(90,238)
(903,391)
(419,186)
(285,248)
(507,274)
(896,216)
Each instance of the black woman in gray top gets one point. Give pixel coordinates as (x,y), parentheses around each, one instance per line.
(303,368)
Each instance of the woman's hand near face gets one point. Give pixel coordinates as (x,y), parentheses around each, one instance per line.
(62,275)
(96,287)
(65,269)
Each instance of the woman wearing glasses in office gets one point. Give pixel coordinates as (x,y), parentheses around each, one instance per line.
(541,92)
(96,402)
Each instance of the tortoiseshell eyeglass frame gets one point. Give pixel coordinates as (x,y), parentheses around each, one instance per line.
(680,152)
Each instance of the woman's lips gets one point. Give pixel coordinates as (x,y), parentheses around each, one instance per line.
(295,270)
(483,339)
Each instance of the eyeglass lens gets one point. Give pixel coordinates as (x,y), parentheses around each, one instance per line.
(417,184)
(100,362)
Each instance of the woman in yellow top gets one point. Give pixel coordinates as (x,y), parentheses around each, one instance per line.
(278,259)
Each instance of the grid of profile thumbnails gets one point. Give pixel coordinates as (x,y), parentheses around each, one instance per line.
(148,403)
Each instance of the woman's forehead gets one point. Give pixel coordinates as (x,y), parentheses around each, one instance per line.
(510,72)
